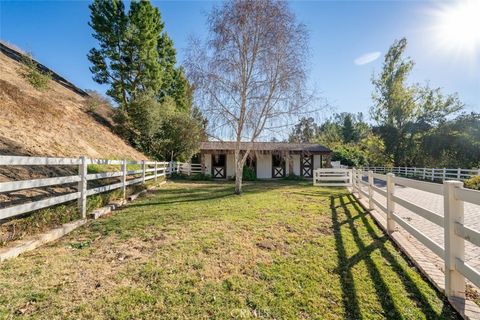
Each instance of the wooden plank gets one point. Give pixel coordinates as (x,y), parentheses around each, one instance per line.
(104,188)
(467,233)
(378,176)
(36,205)
(103,175)
(468,195)
(379,205)
(104,161)
(17,247)
(469,272)
(379,190)
(134,172)
(429,243)
(37,161)
(134,181)
(424,186)
(424,213)
(363,192)
(327,179)
(36,183)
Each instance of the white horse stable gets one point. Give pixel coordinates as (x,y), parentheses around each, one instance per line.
(268,159)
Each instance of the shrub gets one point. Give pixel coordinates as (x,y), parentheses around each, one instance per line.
(473,183)
(249,174)
(95,101)
(38,78)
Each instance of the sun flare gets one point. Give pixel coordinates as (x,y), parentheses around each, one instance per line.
(456,27)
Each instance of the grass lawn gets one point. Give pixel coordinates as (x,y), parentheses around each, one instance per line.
(283,250)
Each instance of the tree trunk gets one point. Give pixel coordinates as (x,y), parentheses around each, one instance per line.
(238,178)
(238,172)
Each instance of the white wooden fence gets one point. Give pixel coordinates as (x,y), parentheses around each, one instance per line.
(455,232)
(431,174)
(187,168)
(332,177)
(149,170)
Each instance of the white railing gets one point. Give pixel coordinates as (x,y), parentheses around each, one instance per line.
(144,170)
(455,232)
(432,174)
(332,177)
(188,168)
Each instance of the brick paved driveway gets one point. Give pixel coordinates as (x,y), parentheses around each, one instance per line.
(432,202)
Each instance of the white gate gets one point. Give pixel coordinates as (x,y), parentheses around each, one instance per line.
(332,177)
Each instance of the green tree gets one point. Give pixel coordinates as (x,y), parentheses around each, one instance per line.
(348,130)
(453,143)
(403,112)
(137,59)
(304,131)
(180,133)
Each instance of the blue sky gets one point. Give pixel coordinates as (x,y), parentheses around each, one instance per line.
(341,34)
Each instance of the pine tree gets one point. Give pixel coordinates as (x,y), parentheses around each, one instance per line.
(136,57)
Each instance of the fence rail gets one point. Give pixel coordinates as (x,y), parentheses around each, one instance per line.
(455,232)
(188,168)
(149,170)
(432,174)
(332,177)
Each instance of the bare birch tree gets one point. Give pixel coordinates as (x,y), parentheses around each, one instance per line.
(250,74)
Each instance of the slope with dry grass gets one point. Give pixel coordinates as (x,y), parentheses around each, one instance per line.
(53,122)
(57,121)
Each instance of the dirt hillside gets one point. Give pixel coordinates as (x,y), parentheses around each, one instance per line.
(54,122)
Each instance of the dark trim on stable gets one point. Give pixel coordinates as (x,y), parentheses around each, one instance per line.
(275,169)
(215,169)
(303,167)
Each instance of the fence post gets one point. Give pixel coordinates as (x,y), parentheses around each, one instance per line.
(82,187)
(189,169)
(124,178)
(433,173)
(454,245)
(423,173)
(354,181)
(155,171)
(143,171)
(370,190)
(444,172)
(459,173)
(359,183)
(390,202)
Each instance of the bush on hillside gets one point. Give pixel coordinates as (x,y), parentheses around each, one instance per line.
(95,101)
(38,78)
(473,183)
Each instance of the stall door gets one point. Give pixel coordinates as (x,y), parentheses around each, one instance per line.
(278,166)
(219,169)
(307,166)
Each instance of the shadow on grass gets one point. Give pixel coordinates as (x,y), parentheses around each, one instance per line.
(384,296)
(206,190)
